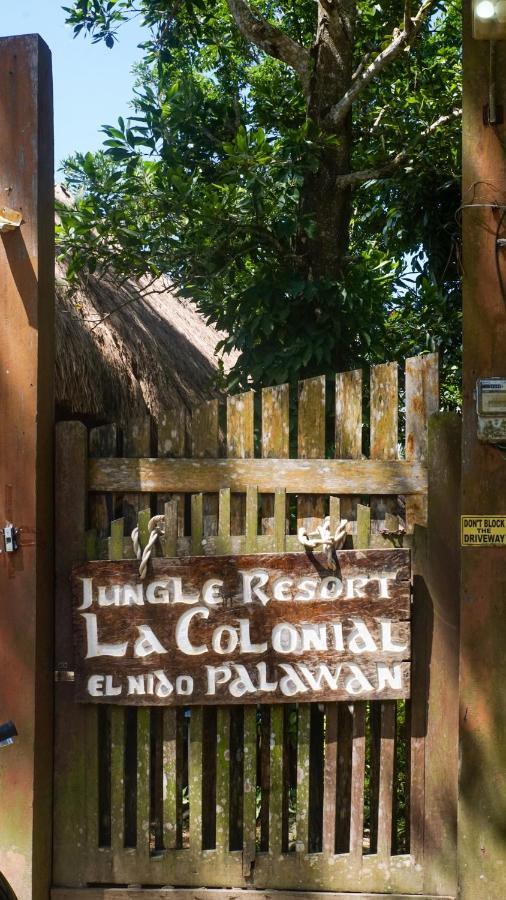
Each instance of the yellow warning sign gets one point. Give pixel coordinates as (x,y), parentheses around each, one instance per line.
(483,531)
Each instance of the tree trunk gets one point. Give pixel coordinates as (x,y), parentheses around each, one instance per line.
(328,207)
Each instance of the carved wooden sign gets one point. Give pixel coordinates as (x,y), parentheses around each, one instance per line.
(244,629)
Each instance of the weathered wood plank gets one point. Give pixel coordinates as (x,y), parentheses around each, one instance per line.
(194,893)
(349,415)
(222,780)
(276,781)
(357,781)
(386,777)
(240,445)
(275,427)
(170,785)
(137,445)
(172,442)
(422,400)
(70,757)
(240,422)
(384,405)
(195,774)
(275,445)
(330,780)
(303,776)
(249,788)
(296,476)
(143,782)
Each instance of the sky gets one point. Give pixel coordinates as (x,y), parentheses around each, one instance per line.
(92,85)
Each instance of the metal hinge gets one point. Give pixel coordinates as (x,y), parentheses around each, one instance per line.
(61,674)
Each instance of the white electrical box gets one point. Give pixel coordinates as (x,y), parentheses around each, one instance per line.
(491,409)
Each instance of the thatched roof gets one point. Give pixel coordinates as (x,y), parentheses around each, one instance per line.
(152,351)
(123,350)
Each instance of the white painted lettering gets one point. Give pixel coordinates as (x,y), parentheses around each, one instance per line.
(94,648)
(285,638)
(354,587)
(360,639)
(96,685)
(217,675)
(389,678)
(306,589)
(291,683)
(87,593)
(357,683)
(387,643)
(231,639)
(147,642)
(282,589)
(314,637)
(252,584)
(111,689)
(263,683)
(184,685)
(242,684)
(321,674)
(181,632)
(331,588)
(246,645)
(211,592)
(157,592)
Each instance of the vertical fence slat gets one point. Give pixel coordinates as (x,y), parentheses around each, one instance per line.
(115,551)
(349,415)
(195,779)
(330,780)
(275,442)
(422,399)
(386,778)
(223,779)
(357,781)
(348,430)
(240,445)
(276,780)
(70,758)
(172,442)
(169,777)
(303,776)
(103,441)
(310,513)
(249,788)
(136,444)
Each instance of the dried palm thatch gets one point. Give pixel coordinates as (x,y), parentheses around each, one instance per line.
(122,351)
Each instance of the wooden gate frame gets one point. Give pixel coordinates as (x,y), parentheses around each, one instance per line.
(432,860)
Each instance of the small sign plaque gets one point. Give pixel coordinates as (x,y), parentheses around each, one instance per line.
(244,629)
(483,531)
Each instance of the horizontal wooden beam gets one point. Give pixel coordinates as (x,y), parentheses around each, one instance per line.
(133,893)
(296,476)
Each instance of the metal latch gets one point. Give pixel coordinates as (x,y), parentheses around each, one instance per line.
(10,533)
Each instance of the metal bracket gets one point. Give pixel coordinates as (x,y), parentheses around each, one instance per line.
(10,219)
(64,676)
(10,535)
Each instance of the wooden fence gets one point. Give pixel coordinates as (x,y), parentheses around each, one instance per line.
(337,797)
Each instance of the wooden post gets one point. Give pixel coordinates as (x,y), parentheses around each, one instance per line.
(482,801)
(26,487)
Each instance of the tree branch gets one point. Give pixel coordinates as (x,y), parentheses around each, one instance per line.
(352,179)
(255,29)
(402,39)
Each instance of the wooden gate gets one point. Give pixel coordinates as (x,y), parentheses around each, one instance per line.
(342,797)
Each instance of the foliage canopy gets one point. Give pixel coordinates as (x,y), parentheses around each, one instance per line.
(290,218)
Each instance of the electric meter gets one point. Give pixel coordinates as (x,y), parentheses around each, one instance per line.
(491,409)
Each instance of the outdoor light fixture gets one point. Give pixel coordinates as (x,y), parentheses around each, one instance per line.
(8,732)
(489,20)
